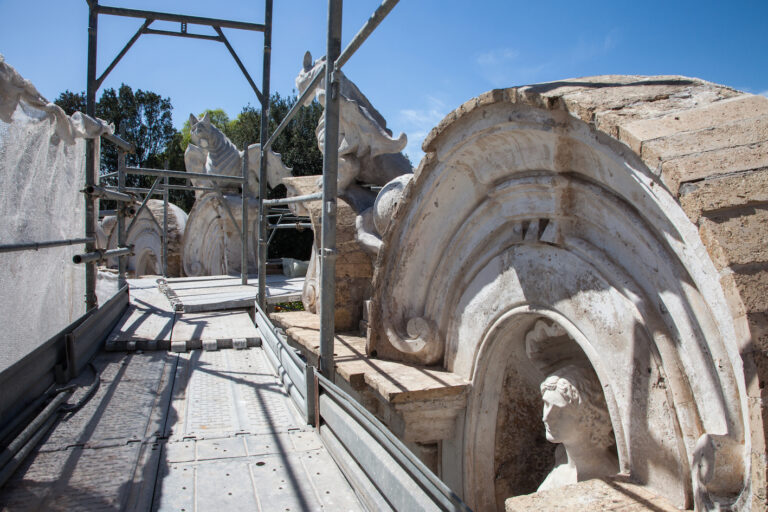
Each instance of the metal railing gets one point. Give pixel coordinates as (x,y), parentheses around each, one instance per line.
(362,446)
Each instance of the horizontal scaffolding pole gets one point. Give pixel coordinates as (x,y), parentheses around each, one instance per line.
(101,254)
(180,34)
(160,188)
(120,143)
(295,108)
(105,213)
(296,225)
(374,21)
(33,246)
(295,199)
(181,174)
(105,193)
(181,18)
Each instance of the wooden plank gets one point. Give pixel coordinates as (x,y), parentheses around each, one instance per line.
(218,325)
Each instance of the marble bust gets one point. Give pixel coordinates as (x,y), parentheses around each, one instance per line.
(576,416)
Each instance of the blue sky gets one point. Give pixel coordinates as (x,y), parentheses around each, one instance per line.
(426,59)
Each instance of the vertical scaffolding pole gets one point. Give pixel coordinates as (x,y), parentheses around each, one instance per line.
(90,157)
(244,231)
(330,170)
(263,137)
(165,224)
(121,235)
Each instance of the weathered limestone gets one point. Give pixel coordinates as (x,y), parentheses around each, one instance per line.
(598,495)
(419,404)
(353,265)
(629,211)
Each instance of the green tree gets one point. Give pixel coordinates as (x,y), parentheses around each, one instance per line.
(143,118)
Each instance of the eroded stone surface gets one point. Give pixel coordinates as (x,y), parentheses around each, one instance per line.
(627,209)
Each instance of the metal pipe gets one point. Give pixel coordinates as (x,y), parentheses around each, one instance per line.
(101,254)
(22,416)
(296,106)
(165,227)
(207,37)
(122,53)
(91,158)
(301,226)
(376,18)
(181,174)
(8,470)
(159,190)
(244,231)
(239,63)
(295,199)
(105,193)
(328,251)
(29,246)
(26,434)
(122,235)
(105,213)
(120,142)
(263,137)
(181,18)
(108,175)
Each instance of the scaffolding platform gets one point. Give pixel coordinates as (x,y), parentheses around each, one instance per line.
(216,293)
(199,430)
(193,313)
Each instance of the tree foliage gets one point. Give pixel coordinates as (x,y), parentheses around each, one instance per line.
(143,118)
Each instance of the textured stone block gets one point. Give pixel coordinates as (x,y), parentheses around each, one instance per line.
(736,237)
(724,192)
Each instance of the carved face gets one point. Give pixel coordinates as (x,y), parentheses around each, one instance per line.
(561,418)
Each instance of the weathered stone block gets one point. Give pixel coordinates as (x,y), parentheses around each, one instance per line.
(733,134)
(736,237)
(714,114)
(724,192)
(713,163)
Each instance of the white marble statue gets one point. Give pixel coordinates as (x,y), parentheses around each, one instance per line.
(211,152)
(211,243)
(368,154)
(576,416)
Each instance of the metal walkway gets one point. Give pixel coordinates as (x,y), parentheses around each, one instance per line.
(203,430)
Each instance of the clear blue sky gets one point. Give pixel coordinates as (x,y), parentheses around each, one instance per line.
(427,58)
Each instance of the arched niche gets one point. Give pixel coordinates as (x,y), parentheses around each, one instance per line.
(521,210)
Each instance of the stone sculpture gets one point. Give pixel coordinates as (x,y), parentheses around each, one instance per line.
(212,237)
(576,416)
(211,152)
(368,154)
(613,207)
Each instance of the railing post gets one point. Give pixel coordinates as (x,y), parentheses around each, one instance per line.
(91,165)
(244,231)
(165,225)
(263,137)
(121,233)
(330,171)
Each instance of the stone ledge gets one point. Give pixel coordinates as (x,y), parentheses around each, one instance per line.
(616,494)
(419,403)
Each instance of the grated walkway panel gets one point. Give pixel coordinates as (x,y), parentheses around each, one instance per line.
(204,430)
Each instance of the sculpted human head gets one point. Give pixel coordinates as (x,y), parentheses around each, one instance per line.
(575,409)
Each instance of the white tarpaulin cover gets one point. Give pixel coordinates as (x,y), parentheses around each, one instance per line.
(42,170)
